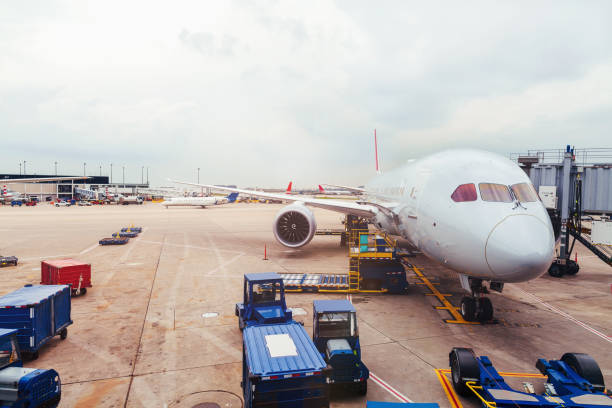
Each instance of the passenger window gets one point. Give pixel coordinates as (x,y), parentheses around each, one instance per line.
(495,192)
(525,192)
(465,192)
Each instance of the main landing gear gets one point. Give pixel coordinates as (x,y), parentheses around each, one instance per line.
(478,308)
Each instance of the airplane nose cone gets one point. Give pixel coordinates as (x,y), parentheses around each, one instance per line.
(520,248)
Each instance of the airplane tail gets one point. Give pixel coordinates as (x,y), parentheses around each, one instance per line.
(289,188)
(4,190)
(232,197)
(321,190)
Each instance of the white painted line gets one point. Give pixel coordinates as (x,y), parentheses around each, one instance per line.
(189,246)
(567,316)
(45,257)
(90,248)
(389,388)
(379,381)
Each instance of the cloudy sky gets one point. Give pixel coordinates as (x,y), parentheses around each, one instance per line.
(260,93)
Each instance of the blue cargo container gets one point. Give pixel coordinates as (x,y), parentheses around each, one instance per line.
(38,313)
(281,367)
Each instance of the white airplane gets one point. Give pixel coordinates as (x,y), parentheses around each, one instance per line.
(344,190)
(472,211)
(199,201)
(7,195)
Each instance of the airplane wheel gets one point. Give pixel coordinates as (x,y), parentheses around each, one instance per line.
(468,308)
(485,310)
(362,388)
(555,271)
(572,267)
(586,367)
(464,367)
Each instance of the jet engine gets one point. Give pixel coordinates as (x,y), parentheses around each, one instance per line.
(294,225)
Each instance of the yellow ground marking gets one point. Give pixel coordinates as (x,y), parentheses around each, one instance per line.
(452,396)
(442,297)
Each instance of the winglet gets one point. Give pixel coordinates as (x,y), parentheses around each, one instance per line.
(321,190)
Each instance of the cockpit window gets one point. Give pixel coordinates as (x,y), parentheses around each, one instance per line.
(495,192)
(524,192)
(465,192)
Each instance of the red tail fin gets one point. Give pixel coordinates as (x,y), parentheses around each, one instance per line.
(321,189)
(3,190)
(289,187)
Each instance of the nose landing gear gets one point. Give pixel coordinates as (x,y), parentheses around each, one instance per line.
(477,307)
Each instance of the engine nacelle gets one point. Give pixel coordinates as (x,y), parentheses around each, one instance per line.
(294,225)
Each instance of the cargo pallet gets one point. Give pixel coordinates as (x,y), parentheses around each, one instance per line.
(374,266)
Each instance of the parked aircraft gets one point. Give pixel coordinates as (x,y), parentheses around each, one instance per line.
(335,192)
(199,201)
(472,211)
(6,195)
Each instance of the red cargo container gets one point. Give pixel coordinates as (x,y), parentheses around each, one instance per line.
(66,272)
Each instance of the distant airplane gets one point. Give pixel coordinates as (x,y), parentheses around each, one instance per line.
(199,201)
(472,211)
(7,195)
(335,192)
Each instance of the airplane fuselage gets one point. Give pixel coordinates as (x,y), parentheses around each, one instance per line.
(488,229)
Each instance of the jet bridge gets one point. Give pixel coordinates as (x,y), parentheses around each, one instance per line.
(573,184)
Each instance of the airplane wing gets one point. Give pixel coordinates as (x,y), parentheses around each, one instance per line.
(346,207)
(39,179)
(351,189)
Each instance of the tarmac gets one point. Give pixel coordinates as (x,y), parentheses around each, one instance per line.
(157,329)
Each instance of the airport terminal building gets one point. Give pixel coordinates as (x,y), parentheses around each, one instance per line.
(65,189)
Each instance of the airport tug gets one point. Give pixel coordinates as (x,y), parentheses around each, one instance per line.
(574,381)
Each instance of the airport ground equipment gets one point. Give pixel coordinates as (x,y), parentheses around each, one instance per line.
(263,300)
(137,230)
(16,202)
(336,336)
(8,261)
(125,234)
(24,387)
(66,272)
(281,367)
(38,313)
(114,241)
(574,381)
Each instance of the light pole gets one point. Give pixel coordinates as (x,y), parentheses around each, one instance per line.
(123,175)
(55,168)
(111,175)
(100,170)
(24,168)
(202,189)
(20,168)
(142,175)
(147,175)
(84,169)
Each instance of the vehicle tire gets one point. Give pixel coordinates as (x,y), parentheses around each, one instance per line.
(34,355)
(586,367)
(57,205)
(572,267)
(362,387)
(464,367)
(555,271)
(468,308)
(83,291)
(63,334)
(240,324)
(485,310)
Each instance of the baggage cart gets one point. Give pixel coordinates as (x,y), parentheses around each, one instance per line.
(38,313)
(113,241)
(126,234)
(8,261)
(66,272)
(138,230)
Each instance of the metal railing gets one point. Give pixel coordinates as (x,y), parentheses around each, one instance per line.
(588,156)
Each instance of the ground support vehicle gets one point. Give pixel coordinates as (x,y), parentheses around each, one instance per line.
(24,387)
(31,203)
(113,241)
(8,261)
(336,336)
(281,367)
(66,272)
(375,404)
(16,202)
(63,204)
(573,381)
(84,203)
(125,234)
(38,313)
(137,230)
(263,300)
